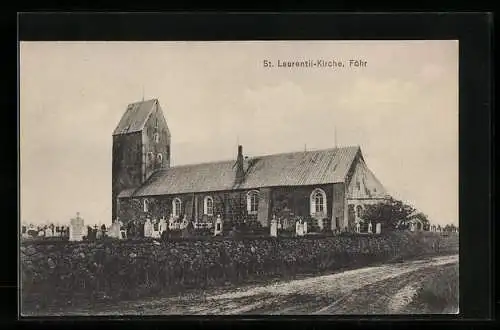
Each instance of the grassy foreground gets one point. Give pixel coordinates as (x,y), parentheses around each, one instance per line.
(439,294)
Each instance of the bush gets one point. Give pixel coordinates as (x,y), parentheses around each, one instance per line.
(84,272)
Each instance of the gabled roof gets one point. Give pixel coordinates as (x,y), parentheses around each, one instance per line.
(135,117)
(287,169)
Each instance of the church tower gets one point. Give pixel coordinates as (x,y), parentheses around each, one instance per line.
(141,146)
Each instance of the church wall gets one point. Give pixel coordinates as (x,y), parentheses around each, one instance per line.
(126,164)
(152,148)
(232,205)
(339,218)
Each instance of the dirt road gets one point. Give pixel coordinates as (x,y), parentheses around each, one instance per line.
(386,289)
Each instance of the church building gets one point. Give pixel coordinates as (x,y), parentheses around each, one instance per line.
(329,187)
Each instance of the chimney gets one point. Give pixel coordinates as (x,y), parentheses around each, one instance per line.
(240,173)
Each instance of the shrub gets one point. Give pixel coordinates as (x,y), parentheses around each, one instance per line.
(58,273)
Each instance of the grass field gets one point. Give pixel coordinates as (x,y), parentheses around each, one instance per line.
(439,293)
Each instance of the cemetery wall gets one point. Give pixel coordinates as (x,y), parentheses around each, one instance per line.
(79,273)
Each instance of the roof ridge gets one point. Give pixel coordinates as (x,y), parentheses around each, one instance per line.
(266,155)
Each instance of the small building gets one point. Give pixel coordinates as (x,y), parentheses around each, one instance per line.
(324,185)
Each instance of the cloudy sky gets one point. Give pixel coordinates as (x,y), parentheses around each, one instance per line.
(402,109)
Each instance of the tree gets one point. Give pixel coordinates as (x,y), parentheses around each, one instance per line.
(391,214)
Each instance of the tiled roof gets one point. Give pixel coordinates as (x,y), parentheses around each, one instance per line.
(287,169)
(135,117)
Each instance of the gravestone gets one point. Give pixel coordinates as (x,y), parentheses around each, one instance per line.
(163,225)
(369,228)
(155,232)
(412,226)
(76,228)
(378,228)
(49,232)
(274,227)
(305,228)
(184,223)
(114,230)
(358,227)
(148,228)
(299,228)
(218,226)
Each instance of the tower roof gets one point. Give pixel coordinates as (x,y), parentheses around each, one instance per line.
(135,117)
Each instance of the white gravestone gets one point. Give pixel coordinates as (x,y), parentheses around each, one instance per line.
(274,228)
(218,226)
(99,234)
(148,228)
(412,226)
(299,228)
(49,232)
(114,230)
(163,225)
(378,228)
(358,227)
(369,228)
(76,228)
(304,228)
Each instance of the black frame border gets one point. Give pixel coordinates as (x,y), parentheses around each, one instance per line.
(474,32)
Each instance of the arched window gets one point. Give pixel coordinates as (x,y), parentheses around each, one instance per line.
(252,201)
(359,209)
(208,205)
(160,159)
(318,202)
(157,137)
(176,207)
(146,205)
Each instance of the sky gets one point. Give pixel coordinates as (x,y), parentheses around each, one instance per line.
(401,108)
